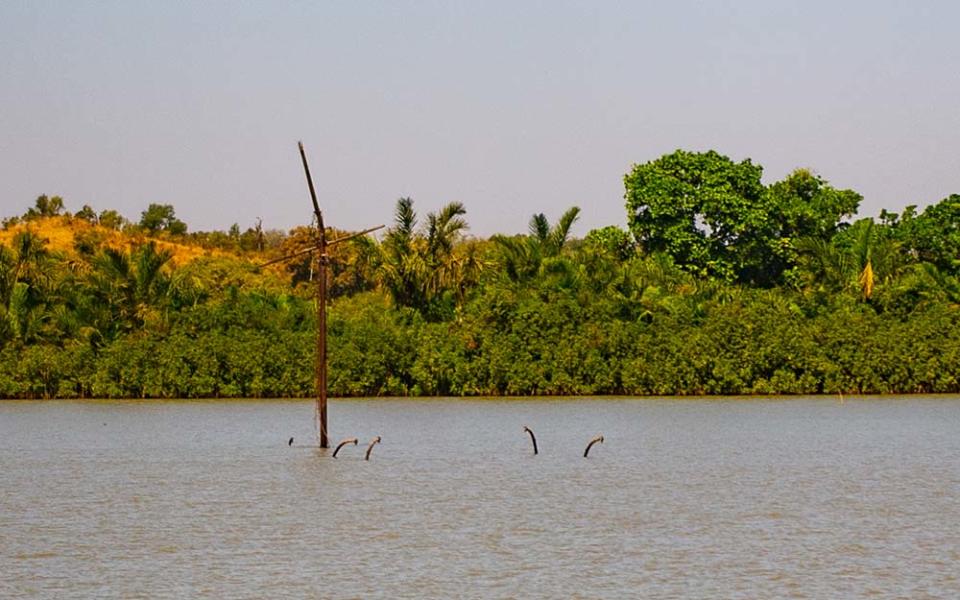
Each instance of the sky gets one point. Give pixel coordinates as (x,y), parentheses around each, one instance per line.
(513,108)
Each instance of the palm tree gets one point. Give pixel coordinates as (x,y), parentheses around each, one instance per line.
(354,266)
(135,286)
(28,277)
(20,319)
(519,257)
(863,252)
(824,266)
(402,269)
(417,267)
(443,230)
(464,268)
(854,261)
(522,257)
(925,283)
(559,234)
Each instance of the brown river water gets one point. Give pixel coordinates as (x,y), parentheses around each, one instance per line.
(700,498)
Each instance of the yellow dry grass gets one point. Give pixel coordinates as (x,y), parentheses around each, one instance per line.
(61,234)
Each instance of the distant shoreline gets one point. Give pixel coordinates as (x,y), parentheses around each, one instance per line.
(691,397)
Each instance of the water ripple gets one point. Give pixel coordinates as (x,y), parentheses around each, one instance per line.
(694,499)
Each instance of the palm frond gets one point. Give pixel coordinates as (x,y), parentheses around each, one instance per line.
(561,231)
(540,227)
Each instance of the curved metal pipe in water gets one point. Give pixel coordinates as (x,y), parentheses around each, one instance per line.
(599,438)
(533,439)
(373,443)
(344,443)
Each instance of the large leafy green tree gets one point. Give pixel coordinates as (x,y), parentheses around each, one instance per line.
(46,206)
(111,219)
(701,208)
(934,235)
(805,205)
(161,217)
(803,209)
(716,219)
(86,213)
(611,240)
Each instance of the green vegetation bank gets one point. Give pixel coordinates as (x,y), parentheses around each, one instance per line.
(721,285)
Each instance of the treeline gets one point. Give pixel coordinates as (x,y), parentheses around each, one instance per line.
(721,285)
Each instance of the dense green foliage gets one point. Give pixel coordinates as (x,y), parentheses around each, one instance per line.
(716,219)
(722,285)
(161,217)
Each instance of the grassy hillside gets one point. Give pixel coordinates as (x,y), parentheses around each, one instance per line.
(66,235)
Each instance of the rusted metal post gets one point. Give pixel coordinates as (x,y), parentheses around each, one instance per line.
(373,443)
(599,438)
(320,364)
(344,443)
(533,439)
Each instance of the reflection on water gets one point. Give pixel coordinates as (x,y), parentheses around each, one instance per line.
(685,498)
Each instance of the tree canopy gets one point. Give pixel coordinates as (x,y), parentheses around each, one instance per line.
(721,285)
(715,218)
(161,217)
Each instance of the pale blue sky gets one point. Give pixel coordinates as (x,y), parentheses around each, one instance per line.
(510,107)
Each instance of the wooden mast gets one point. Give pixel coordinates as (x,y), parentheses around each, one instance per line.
(320,362)
(320,248)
